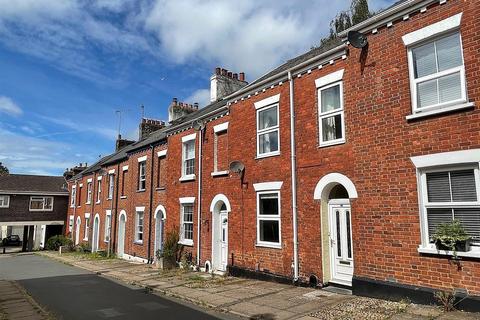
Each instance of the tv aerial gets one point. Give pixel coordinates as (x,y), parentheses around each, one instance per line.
(357,39)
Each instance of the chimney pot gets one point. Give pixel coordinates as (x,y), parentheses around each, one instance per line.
(224,72)
(235,76)
(217,70)
(230,74)
(195,105)
(174,101)
(242,76)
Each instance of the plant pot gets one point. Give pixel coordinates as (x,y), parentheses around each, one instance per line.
(460,246)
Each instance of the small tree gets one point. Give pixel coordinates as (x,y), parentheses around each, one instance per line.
(3,170)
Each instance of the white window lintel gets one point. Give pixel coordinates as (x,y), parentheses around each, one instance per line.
(447,158)
(220,127)
(186,200)
(162,153)
(87,215)
(139,209)
(89,180)
(141,159)
(112,171)
(189,137)
(267,101)
(125,168)
(329,78)
(99,178)
(443,26)
(267,186)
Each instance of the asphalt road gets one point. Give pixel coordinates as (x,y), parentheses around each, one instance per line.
(71,293)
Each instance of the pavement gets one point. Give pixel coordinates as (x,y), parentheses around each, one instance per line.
(253,299)
(69,292)
(15,303)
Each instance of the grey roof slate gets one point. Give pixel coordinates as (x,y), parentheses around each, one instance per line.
(30,183)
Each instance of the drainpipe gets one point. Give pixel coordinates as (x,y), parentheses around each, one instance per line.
(199,202)
(113,217)
(294,180)
(149,246)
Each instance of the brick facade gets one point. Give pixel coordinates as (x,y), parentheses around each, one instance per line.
(375,157)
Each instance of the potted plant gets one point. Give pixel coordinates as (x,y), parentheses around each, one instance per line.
(169,252)
(452,237)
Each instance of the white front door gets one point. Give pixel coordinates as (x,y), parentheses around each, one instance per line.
(223,241)
(341,247)
(77,230)
(96,233)
(121,236)
(158,235)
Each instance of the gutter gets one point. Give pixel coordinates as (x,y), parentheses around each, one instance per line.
(149,246)
(389,14)
(294,179)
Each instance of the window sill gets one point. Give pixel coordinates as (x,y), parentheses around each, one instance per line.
(160,189)
(142,190)
(85,239)
(97,202)
(123,197)
(109,199)
(434,251)
(457,107)
(220,173)
(138,242)
(331,143)
(190,177)
(269,245)
(267,155)
(186,242)
(87,203)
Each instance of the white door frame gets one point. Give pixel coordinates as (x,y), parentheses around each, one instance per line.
(96,232)
(77,230)
(344,205)
(216,252)
(160,217)
(121,234)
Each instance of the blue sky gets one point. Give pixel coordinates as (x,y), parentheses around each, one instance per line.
(66,67)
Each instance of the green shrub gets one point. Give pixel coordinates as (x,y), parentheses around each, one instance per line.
(55,242)
(170,246)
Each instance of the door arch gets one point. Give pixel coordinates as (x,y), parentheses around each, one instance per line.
(96,232)
(122,220)
(220,208)
(335,191)
(160,217)
(77,230)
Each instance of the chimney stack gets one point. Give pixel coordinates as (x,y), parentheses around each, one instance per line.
(224,82)
(149,126)
(121,143)
(177,109)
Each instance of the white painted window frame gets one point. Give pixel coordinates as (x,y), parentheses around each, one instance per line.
(139,211)
(73,197)
(111,185)
(414,82)
(99,190)
(87,227)
(186,140)
(71,223)
(328,114)
(44,202)
(4,201)
(218,129)
(142,176)
(278,217)
(268,130)
(89,192)
(183,202)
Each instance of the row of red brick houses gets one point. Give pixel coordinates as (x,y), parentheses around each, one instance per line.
(335,168)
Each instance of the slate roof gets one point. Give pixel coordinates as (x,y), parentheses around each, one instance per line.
(25,183)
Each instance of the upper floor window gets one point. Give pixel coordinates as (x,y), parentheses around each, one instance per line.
(142,175)
(73,196)
(41,203)
(188,157)
(220,149)
(268,131)
(4,201)
(111,184)
(161,169)
(99,190)
(438,73)
(80,188)
(124,177)
(89,192)
(331,115)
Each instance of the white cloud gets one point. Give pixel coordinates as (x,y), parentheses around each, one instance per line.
(9,107)
(202,96)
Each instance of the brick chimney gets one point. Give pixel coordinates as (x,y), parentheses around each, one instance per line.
(149,126)
(177,109)
(122,143)
(224,82)
(70,173)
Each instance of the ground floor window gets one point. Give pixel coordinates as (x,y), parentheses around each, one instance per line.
(139,227)
(268,218)
(87,227)
(108,226)
(186,235)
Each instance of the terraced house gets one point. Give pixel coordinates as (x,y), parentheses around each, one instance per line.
(336,168)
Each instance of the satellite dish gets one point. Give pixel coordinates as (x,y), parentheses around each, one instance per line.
(198,125)
(237,167)
(357,39)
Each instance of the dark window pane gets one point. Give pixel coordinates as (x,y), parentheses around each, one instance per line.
(438,187)
(332,128)
(339,243)
(470,220)
(436,217)
(269,204)
(463,185)
(330,99)
(349,235)
(269,231)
